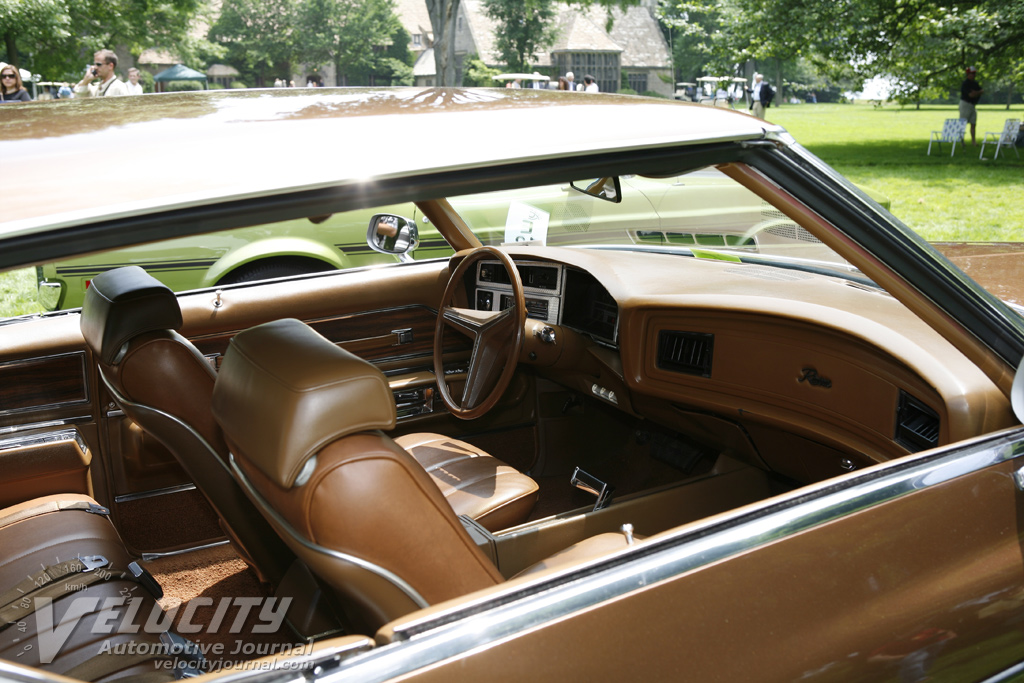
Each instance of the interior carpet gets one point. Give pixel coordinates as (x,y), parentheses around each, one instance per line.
(228,606)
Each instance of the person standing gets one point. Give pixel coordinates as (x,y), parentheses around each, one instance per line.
(589,84)
(970,93)
(570,81)
(104,63)
(11,88)
(760,96)
(133,85)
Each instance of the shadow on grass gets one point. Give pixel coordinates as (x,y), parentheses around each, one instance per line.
(905,153)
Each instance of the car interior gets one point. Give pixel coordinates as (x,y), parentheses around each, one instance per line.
(367,443)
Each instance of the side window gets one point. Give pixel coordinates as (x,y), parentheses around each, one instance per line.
(293,247)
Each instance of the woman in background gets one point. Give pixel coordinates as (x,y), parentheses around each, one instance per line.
(11,89)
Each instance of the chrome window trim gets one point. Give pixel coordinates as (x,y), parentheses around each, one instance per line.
(451,633)
(153,493)
(44,438)
(14,429)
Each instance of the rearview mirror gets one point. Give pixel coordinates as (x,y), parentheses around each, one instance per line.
(391,234)
(607,189)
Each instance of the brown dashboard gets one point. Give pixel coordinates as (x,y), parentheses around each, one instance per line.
(808,375)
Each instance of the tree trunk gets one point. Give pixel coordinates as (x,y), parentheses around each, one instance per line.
(778,79)
(1009,96)
(12,49)
(443,17)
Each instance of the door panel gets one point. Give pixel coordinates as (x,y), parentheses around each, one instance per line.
(42,464)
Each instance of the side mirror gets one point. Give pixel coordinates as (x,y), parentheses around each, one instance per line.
(607,189)
(391,234)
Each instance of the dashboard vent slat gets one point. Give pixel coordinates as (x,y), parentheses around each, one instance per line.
(685,352)
(917,425)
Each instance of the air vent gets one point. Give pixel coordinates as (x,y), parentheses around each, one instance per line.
(686,352)
(917,425)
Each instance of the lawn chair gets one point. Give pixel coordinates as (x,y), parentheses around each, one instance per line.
(952,131)
(1008,138)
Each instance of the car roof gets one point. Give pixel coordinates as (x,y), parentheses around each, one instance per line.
(101,158)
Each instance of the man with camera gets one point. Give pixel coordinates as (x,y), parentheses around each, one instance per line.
(104,63)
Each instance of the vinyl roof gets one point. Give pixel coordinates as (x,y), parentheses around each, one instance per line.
(73,162)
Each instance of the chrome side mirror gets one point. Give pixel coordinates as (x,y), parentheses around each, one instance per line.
(391,234)
(607,189)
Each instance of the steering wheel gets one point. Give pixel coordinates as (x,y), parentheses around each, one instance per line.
(497,338)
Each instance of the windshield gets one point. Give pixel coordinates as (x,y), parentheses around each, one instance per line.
(702,213)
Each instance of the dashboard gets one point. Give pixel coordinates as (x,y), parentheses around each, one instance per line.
(555,294)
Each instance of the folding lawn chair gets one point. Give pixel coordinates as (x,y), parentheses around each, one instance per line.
(952,131)
(1008,138)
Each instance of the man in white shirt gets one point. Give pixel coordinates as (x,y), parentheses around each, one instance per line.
(133,85)
(590,84)
(104,63)
(756,104)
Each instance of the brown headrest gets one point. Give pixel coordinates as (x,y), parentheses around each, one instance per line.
(284,392)
(123,303)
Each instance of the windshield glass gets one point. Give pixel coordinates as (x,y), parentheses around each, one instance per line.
(702,213)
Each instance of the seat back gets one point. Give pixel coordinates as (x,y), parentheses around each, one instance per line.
(1010,131)
(164,384)
(953,130)
(300,416)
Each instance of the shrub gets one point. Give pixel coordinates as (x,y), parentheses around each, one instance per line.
(182,86)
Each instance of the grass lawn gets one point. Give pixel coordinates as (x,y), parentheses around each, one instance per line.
(945,199)
(942,198)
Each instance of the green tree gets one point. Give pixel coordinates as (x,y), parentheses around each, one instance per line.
(524,27)
(478,74)
(346,33)
(391,63)
(922,45)
(29,21)
(56,37)
(258,36)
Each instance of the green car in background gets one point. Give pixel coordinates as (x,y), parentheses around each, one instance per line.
(703,210)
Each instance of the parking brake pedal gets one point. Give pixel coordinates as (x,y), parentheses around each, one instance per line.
(594,486)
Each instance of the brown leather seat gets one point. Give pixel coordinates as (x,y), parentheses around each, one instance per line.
(473,482)
(41,539)
(302,418)
(164,384)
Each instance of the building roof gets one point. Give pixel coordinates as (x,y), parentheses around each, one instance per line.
(482,30)
(425,65)
(638,32)
(221,70)
(415,18)
(578,33)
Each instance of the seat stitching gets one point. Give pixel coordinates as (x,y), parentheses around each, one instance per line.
(485,477)
(11,560)
(460,458)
